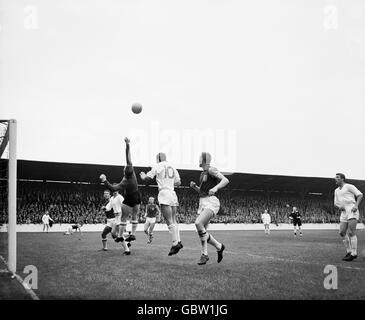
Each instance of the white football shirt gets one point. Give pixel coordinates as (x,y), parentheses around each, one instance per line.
(116,203)
(346,195)
(266,219)
(166,175)
(45,219)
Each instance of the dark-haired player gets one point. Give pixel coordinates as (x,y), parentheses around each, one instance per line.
(110,226)
(296,219)
(210,182)
(347,200)
(152,216)
(167,178)
(132,198)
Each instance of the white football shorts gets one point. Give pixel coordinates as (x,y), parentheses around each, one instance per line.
(347,214)
(110,222)
(118,219)
(211,202)
(168,198)
(150,220)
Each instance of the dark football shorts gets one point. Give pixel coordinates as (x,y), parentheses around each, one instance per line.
(297,222)
(132,199)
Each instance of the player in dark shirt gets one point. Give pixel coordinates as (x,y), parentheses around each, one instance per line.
(210,182)
(152,215)
(296,218)
(128,188)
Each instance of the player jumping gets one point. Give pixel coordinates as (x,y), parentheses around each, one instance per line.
(152,215)
(167,178)
(211,180)
(296,218)
(132,197)
(347,200)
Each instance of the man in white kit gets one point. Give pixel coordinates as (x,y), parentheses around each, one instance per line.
(116,204)
(347,200)
(45,220)
(266,220)
(167,178)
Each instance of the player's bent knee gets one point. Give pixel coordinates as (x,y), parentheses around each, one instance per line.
(198,225)
(351,233)
(105,232)
(342,234)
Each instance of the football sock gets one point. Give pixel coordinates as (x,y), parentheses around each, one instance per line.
(172,230)
(203,239)
(178,233)
(353,242)
(134,227)
(214,242)
(122,229)
(104,243)
(346,242)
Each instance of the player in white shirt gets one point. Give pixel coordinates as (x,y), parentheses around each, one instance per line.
(167,178)
(347,200)
(116,203)
(266,220)
(45,220)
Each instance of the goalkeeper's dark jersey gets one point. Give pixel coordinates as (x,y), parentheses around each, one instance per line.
(295,216)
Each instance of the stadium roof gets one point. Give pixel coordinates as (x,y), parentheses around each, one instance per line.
(89,173)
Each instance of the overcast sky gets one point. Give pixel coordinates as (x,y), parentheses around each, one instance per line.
(267,86)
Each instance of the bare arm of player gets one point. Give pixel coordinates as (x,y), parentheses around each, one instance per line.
(158,219)
(128,151)
(145,213)
(222,183)
(194,186)
(177,180)
(149,176)
(144,177)
(358,201)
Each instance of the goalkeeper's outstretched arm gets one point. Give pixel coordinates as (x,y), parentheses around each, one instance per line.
(128,152)
(111,186)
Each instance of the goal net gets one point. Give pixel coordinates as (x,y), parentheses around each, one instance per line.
(8,194)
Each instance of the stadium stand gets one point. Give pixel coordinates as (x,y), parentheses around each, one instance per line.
(71,193)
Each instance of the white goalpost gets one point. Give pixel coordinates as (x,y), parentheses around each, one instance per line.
(8,141)
(12,196)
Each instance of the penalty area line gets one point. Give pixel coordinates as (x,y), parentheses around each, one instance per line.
(32,294)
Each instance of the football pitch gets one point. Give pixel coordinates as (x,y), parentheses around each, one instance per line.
(255,266)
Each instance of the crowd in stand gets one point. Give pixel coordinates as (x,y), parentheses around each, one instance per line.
(70,203)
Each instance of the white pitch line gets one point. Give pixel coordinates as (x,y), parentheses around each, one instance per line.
(21,281)
(272,258)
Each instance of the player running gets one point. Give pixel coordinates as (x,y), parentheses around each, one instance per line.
(347,200)
(110,226)
(211,180)
(167,178)
(266,220)
(152,215)
(296,219)
(132,198)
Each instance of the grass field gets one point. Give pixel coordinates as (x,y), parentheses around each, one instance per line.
(255,266)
